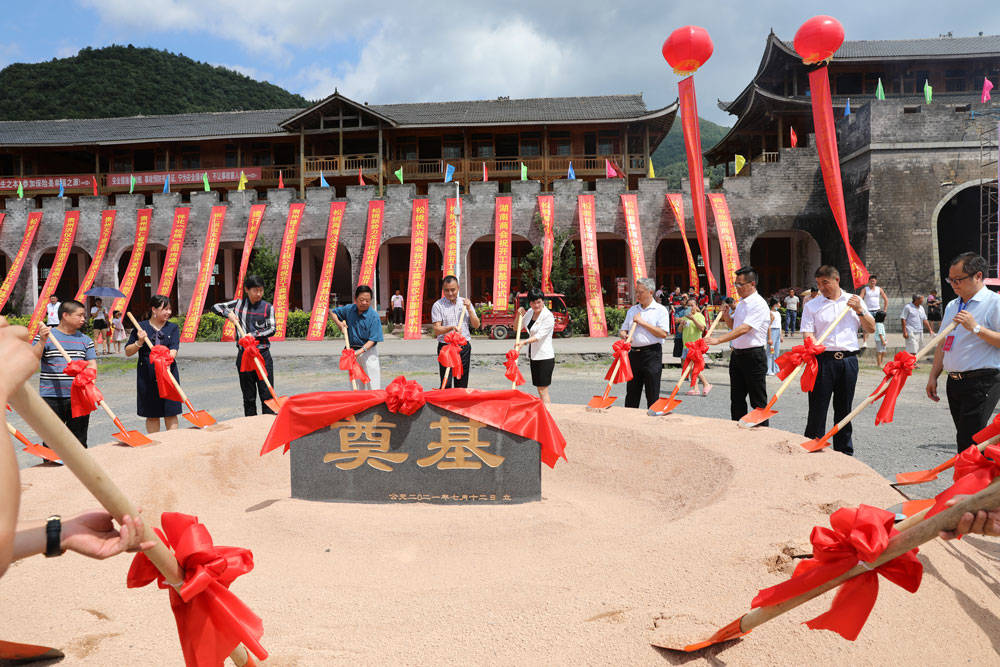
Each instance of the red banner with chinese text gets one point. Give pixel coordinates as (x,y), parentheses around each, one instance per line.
(630,207)
(696,172)
(172,258)
(30,229)
(253,226)
(546,208)
(191,177)
(208,254)
(373,238)
(66,238)
(677,206)
(143,221)
(286,260)
(418,269)
(502,230)
(107,226)
(452,234)
(591,270)
(829,162)
(321,304)
(727,240)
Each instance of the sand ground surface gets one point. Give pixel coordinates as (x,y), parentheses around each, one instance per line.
(652,529)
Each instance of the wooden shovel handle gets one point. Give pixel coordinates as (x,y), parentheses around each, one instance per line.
(933,342)
(795,373)
(149,344)
(517,339)
(447,371)
(686,371)
(260,367)
(614,369)
(62,351)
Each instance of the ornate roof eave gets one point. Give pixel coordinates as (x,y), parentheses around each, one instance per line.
(336,97)
(757,96)
(771,46)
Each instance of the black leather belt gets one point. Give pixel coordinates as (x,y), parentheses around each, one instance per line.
(746,350)
(839,354)
(971,375)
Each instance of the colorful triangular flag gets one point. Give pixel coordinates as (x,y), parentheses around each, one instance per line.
(740,161)
(242,185)
(928,92)
(879,90)
(524,172)
(794,137)
(486,175)
(651,173)
(166,184)
(131,183)
(608,171)
(449,172)
(361,179)
(60,187)
(987,87)
(94,180)
(20,190)
(281,181)
(847,107)
(322,181)
(204,179)
(398,174)
(570,174)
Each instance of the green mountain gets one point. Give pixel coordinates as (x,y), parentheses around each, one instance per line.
(670,161)
(130,81)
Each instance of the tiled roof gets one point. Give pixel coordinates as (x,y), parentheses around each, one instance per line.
(916,48)
(507,110)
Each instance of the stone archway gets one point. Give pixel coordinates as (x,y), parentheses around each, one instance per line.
(480,265)
(394,273)
(784,258)
(956,228)
(72,275)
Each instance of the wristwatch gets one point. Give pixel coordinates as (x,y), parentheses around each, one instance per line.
(53,536)
(976,329)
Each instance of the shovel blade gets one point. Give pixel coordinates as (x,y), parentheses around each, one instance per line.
(199,418)
(276,403)
(27,652)
(756,416)
(601,402)
(911,507)
(665,405)
(43,452)
(918,477)
(728,633)
(131,438)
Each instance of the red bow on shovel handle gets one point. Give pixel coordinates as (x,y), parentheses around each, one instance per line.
(349,362)
(513,373)
(84,395)
(450,355)
(251,355)
(620,366)
(162,360)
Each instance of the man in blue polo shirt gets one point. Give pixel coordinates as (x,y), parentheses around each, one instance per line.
(971,353)
(364,332)
(53,384)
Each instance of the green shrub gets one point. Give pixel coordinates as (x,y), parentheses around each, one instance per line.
(581,326)
(297,324)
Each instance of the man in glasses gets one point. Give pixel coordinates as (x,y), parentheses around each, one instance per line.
(748,335)
(971,353)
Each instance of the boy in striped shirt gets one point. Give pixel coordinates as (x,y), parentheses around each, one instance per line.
(53,384)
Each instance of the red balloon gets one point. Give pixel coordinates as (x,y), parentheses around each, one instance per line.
(818,39)
(687,49)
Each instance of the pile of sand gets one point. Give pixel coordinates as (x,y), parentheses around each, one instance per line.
(652,528)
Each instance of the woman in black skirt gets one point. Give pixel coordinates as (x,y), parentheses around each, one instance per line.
(160,332)
(539,323)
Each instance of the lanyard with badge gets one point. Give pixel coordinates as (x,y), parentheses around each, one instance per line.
(951,338)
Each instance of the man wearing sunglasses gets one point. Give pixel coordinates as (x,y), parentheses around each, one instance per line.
(971,353)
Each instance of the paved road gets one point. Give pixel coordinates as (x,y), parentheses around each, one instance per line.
(920,437)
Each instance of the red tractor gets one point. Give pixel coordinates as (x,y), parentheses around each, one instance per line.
(500,323)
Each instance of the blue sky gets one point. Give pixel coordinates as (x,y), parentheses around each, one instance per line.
(421,51)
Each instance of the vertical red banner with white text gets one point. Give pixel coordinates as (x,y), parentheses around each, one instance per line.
(727,240)
(502,229)
(107,226)
(373,238)
(418,269)
(321,304)
(197,305)
(172,258)
(143,221)
(696,172)
(630,208)
(677,206)
(286,261)
(253,226)
(452,234)
(591,269)
(546,209)
(66,238)
(30,230)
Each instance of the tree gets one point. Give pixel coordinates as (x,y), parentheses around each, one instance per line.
(264,264)
(564,281)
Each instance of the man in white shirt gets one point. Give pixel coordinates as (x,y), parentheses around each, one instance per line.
(397,307)
(875,301)
(914,319)
(445,314)
(971,353)
(748,336)
(838,365)
(791,311)
(52,311)
(652,322)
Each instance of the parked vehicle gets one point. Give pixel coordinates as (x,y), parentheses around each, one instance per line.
(500,323)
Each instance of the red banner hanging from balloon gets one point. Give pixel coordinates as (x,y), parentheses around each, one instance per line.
(208,254)
(452,233)
(30,229)
(107,226)
(546,208)
(696,172)
(253,227)
(143,221)
(418,269)
(286,260)
(630,207)
(172,258)
(373,238)
(503,222)
(70,223)
(321,304)
(677,206)
(591,270)
(727,240)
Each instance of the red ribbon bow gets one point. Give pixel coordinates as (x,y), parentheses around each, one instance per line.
(619,353)
(896,373)
(162,360)
(450,354)
(508,410)
(211,620)
(857,535)
(798,355)
(250,353)
(513,372)
(349,363)
(695,358)
(974,470)
(83,394)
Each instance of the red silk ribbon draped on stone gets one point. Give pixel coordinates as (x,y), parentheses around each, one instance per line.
(621,364)
(798,355)
(250,353)
(349,363)
(896,373)
(695,358)
(509,410)
(450,356)
(857,535)
(974,470)
(211,620)
(162,360)
(83,393)
(513,373)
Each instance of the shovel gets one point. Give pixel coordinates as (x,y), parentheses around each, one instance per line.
(757,415)
(347,346)
(275,402)
(199,418)
(447,371)
(12,653)
(46,424)
(815,445)
(663,406)
(31,448)
(914,534)
(517,339)
(125,436)
(921,476)
(604,400)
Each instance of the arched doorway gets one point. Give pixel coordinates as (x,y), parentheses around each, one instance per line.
(481,264)
(784,258)
(613,262)
(72,275)
(672,264)
(394,272)
(309,268)
(150,271)
(966,220)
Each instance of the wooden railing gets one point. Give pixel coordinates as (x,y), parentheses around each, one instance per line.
(340,165)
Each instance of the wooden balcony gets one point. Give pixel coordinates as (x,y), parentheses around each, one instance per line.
(341,165)
(510,167)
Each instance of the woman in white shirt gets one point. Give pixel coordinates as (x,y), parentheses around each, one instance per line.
(539,323)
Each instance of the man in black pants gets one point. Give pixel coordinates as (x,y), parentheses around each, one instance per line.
(256,316)
(748,326)
(652,322)
(445,315)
